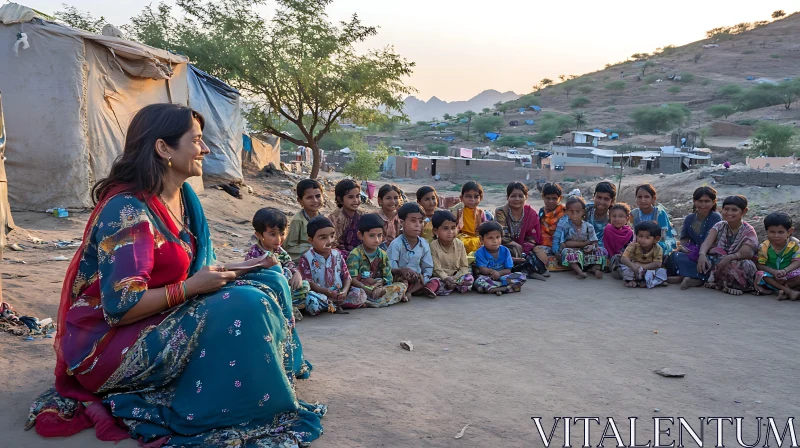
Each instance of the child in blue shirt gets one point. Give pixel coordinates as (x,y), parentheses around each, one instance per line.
(494,263)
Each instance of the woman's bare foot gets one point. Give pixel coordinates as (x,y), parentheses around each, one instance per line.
(782,295)
(581,275)
(689,282)
(794,295)
(731,291)
(631,284)
(710,285)
(598,273)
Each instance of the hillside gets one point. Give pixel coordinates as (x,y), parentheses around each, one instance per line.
(419,110)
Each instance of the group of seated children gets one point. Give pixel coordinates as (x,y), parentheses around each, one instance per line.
(351,260)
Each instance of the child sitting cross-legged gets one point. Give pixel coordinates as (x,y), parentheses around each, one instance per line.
(450,266)
(345,218)
(410,254)
(494,263)
(641,262)
(576,241)
(370,268)
(617,235)
(325,268)
(269,225)
(779,259)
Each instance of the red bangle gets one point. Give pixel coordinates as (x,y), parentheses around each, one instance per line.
(176,294)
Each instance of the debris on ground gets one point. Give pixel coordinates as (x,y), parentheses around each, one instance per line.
(670,373)
(407,345)
(461,433)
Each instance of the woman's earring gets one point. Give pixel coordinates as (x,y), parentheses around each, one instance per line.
(169,162)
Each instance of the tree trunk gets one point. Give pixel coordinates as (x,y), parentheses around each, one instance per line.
(316,162)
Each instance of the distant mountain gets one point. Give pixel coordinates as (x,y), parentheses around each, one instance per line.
(419,110)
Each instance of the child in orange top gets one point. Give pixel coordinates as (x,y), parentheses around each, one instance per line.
(470,216)
(550,214)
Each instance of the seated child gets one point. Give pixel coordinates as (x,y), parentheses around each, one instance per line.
(470,216)
(325,268)
(641,262)
(428,199)
(550,214)
(617,235)
(779,259)
(494,263)
(345,218)
(410,254)
(648,210)
(390,198)
(270,227)
(577,243)
(450,266)
(370,268)
(605,193)
(309,196)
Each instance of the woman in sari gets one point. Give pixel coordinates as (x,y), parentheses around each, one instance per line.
(727,253)
(682,263)
(520,222)
(157,342)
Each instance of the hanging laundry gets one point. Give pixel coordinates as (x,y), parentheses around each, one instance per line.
(414,164)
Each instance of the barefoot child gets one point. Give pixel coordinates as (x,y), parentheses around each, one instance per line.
(470,216)
(648,210)
(605,193)
(450,266)
(345,218)
(270,228)
(389,200)
(370,268)
(642,259)
(410,255)
(681,264)
(617,235)
(428,199)
(309,196)
(325,268)
(576,241)
(494,263)
(779,259)
(727,253)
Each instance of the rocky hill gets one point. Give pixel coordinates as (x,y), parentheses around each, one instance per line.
(435,108)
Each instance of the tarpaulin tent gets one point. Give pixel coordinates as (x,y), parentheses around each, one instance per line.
(492,136)
(536,108)
(522,109)
(69,97)
(530,122)
(258,152)
(219,104)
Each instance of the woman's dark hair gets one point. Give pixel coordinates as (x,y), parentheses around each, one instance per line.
(424,190)
(650,227)
(472,186)
(489,226)
(387,188)
(737,200)
(575,200)
(316,224)
(516,186)
(552,188)
(342,188)
(648,188)
(705,191)
(139,166)
(778,219)
(442,216)
(307,184)
(408,208)
(369,221)
(620,206)
(269,217)
(606,187)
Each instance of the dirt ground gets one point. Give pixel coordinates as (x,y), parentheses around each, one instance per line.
(560,348)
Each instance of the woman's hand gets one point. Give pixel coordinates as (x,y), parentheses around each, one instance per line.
(702,263)
(208,279)
(726,260)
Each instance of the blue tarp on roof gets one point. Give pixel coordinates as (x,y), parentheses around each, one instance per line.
(449,139)
(614,136)
(536,108)
(491,136)
(531,122)
(522,109)
(595,130)
(530,143)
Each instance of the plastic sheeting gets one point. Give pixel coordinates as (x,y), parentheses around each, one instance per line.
(219,104)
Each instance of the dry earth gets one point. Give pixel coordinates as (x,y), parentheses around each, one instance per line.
(560,348)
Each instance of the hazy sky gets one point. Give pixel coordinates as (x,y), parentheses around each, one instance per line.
(464,47)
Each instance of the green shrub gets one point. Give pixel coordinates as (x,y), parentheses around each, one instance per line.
(687,77)
(674,89)
(775,140)
(490,123)
(721,110)
(584,89)
(656,119)
(758,96)
(579,102)
(615,85)
(543,138)
(730,90)
(439,149)
(775,56)
(747,122)
(651,78)
(706,82)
